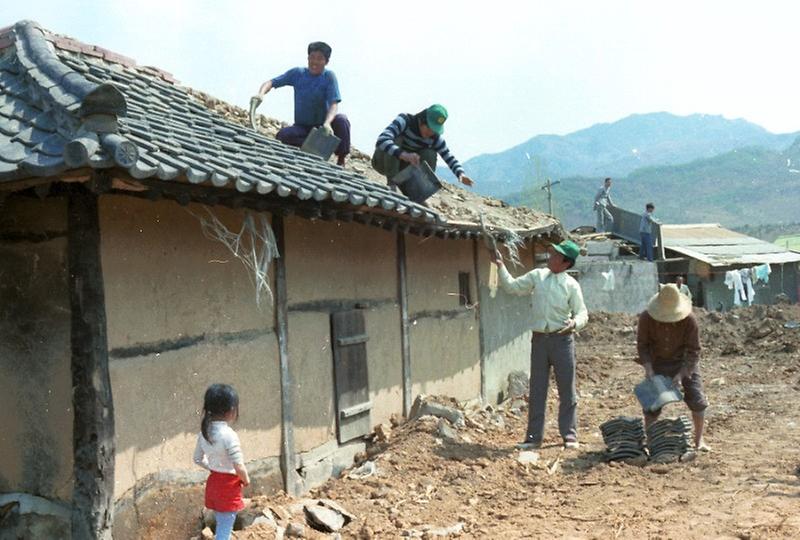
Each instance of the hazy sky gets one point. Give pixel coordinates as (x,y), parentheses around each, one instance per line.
(506,71)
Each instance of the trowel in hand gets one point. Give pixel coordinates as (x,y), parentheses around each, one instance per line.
(255,101)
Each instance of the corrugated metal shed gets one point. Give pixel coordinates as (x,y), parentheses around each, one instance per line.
(718,246)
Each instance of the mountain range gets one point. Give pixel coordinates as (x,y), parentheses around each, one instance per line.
(697,168)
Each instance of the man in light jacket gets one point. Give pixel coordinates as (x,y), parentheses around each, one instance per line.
(558,311)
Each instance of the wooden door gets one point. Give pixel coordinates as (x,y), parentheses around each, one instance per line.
(349,339)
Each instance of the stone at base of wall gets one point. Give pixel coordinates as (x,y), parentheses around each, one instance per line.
(33,518)
(323,462)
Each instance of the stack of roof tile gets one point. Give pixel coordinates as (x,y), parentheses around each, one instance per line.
(668,439)
(624,438)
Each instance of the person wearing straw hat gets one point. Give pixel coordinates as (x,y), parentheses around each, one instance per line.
(668,343)
(558,311)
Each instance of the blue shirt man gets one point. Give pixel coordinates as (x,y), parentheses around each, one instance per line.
(646,232)
(313,94)
(316,101)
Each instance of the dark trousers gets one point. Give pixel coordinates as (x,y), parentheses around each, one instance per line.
(295,135)
(388,165)
(693,393)
(556,351)
(646,247)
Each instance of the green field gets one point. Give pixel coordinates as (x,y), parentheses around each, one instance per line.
(789,242)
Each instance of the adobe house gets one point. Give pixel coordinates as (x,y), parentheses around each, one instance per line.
(124,198)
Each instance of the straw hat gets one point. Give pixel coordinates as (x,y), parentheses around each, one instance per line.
(669,305)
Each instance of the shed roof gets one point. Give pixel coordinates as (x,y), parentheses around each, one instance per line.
(66,106)
(717,246)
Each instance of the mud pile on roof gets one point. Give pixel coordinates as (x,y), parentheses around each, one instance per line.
(453,203)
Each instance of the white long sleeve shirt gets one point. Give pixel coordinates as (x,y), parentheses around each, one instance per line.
(556,298)
(220,454)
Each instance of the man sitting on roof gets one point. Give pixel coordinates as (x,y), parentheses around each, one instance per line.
(414,137)
(316,100)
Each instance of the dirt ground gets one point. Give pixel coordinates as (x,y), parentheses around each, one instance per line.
(748,486)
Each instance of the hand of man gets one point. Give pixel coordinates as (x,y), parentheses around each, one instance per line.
(676,380)
(648,370)
(569,327)
(327,129)
(495,257)
(410,157)
(466,180)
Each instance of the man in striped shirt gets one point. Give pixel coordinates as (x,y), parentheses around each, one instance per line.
(414,137)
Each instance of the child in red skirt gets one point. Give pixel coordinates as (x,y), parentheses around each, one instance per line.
(218,450)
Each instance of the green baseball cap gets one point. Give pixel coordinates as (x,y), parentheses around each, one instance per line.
(568,249)
(435,115)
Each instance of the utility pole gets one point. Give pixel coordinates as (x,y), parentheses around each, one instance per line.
(548,187)
(537,165)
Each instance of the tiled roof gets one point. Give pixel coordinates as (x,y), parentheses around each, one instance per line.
(65,105)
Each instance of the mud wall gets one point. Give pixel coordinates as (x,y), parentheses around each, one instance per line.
(181,315)
(444,334)
(335,266)
(506,325)
(635,282)
(35,378)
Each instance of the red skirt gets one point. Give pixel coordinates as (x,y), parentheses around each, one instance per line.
(224,492)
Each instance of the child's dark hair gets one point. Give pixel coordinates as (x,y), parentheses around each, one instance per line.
(219,400)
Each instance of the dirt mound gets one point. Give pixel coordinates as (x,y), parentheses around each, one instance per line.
(756,330)
(431,479)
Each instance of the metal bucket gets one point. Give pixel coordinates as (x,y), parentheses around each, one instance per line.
(417,183)
(320,144)
(656,392)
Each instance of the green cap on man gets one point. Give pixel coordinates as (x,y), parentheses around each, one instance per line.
(568,249)
(435,115)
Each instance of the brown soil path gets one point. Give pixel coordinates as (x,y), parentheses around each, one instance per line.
(747,487)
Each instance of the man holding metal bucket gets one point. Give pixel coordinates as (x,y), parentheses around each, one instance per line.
(668,343)
(316,101)
(413,138)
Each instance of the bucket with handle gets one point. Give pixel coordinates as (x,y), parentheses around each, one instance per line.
(320,143)
(417,183)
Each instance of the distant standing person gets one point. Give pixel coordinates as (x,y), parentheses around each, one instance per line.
(668,343)
(602,202)
(218,450)
(316,101)
(558,311)
(683,287)
(646,232)
(412,138)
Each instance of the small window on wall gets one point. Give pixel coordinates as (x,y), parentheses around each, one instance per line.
(464,294)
